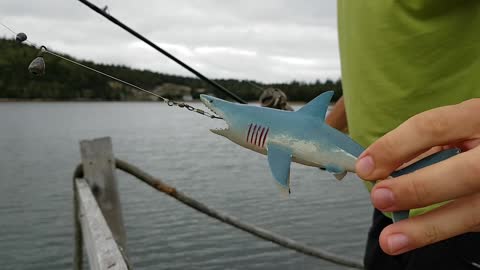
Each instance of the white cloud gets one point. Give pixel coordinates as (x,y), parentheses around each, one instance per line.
(224,50)
(270,40)
(294,60)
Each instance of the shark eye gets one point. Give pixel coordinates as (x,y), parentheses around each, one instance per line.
(211,100)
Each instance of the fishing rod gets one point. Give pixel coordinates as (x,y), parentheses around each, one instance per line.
(104,13)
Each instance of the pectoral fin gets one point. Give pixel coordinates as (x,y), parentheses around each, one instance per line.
(338,172)
(340,176)
(279,159)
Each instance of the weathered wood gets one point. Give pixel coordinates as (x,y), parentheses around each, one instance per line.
(99,171)
(103,252)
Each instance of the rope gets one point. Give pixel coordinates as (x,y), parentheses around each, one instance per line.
(225,218)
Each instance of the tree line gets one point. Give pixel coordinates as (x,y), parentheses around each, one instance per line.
(65,81)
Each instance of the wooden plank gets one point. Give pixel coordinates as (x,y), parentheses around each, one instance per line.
(103,252)
(99,171)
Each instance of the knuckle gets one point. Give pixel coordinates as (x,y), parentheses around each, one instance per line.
(431,124)
(473,104)
(418,191)
(431,234)
(388,146)
(470,167)
(473,221)
(473,166)
(466,109)
(386,153)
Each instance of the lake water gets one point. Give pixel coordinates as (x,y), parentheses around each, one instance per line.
(39,151)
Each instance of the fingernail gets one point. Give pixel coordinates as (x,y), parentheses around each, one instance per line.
(382,198)
(365,166)
(397,242)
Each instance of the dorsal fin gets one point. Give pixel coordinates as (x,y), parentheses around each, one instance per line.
(318,106)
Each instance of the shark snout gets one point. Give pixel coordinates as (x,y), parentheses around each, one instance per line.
(209,100)
(206,99)
(217,106)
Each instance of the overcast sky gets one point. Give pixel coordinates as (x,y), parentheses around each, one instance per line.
(267,40)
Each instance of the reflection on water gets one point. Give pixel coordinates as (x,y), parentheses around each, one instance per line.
(39,150)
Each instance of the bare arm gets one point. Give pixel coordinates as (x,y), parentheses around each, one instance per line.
(337,118)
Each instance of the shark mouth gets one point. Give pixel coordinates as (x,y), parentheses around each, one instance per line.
(208,102)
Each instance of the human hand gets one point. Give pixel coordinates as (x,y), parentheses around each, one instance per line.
(337,117)
(456,179)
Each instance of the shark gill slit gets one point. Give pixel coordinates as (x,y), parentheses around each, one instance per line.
(264,138)
(253,133)
(249,129)
(257,135)
(259,141)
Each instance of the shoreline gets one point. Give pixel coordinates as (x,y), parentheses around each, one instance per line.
(196,101)
(13,100)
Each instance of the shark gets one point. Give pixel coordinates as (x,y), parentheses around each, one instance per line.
(300,136)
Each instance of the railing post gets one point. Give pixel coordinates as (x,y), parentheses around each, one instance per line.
(99,171)
(102,250)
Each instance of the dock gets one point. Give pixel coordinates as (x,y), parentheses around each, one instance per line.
(98,220)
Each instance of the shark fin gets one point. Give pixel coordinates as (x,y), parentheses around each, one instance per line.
(318,106)
(338,172)
(340,176)
(279,159)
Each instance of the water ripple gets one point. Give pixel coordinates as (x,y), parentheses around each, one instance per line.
(39,146)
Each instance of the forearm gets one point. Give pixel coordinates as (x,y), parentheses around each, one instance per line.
(337,117)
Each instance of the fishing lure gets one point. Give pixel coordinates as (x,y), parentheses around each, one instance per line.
(301,136)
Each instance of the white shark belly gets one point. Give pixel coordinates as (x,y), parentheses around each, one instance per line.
(324,158)
(318,154)
(309,153)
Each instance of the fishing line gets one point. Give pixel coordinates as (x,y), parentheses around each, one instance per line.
(255,85)
(169,102)
(105,74)
(162,51)
(8,28)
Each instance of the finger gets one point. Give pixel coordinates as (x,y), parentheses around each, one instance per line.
(450,179)
(467,145)
(423,155)
(455,218)
(439,126)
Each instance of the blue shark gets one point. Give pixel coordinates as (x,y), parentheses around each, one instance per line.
(300,136)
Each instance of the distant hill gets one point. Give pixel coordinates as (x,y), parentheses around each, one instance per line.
(65,81)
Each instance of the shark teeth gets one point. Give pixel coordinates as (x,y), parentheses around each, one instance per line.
(224,127)
(220,115)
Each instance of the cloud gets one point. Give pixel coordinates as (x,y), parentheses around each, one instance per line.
(269,40)
(224,51)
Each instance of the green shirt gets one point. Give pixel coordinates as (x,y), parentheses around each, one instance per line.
(400,58)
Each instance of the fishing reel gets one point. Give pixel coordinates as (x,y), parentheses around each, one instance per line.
(274,98)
